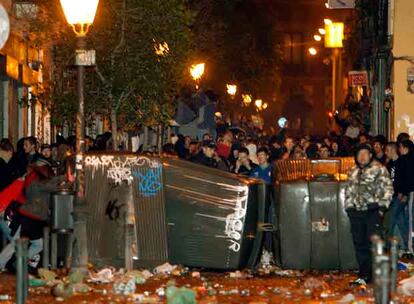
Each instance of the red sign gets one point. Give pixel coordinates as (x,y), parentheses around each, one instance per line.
(358,78)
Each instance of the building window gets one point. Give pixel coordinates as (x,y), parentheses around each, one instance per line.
(293,48)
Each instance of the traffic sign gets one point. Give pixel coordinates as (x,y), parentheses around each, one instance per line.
(85,57)
(358,78)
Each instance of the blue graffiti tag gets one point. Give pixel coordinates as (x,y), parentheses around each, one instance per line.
(149,183)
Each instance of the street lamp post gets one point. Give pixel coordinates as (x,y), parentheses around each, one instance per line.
(80,14)
(334,39)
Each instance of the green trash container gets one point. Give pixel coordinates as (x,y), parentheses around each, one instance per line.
(212,216)
(313,228)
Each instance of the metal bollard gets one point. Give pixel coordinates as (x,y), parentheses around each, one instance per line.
(394,263)
(377,260)
(383,295)
(46,251)
(53,250)
(22,271)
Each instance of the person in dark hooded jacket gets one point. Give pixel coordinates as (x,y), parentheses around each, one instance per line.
(367,196)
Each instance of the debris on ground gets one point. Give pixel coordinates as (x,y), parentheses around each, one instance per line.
(103,276)
(166,268)
(181,295)
(406,287)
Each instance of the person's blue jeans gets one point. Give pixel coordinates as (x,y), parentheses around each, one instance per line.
(4,228)
(398,218)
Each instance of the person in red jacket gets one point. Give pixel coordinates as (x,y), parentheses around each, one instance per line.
(30,209)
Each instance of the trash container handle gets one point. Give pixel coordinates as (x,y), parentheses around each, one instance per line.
(268,227)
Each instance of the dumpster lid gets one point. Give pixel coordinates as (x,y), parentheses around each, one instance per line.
(309,169)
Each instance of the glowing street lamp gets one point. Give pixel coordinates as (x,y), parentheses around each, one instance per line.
(258,103)
(317,37)
(312,51)
(247,99)
(80,15)
(265,105)
(197,71)
(231,90)
(327,21)
(334,35)
(322,31)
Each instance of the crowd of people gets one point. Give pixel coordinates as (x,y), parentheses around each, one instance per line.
(381,180)
(380,185)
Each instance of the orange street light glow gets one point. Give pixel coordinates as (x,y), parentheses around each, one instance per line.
(322,31)
(327,21)
(312,51)
(317,37)
(231,89)
(197,70)
(247,99)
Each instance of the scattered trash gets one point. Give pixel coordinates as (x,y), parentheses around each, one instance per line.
(195,274)
(76,277)
(124,286)
(103,276)
(47,275)
(160,292)
(407,287)
(313,283)
(80,288)
(307,292)
(267,258)
(288,273)
(147,274)
(349,298)
(61,290)
(180,295)
(237,275)
(4,297)
(166,268)
(138,276)
(33,282)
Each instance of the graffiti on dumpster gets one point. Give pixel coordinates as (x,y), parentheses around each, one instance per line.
(234,221)
(119,170)
(149,183)
(113,209)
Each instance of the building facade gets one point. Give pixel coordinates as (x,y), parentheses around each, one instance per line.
(401,26)
(23,110)
(307,80)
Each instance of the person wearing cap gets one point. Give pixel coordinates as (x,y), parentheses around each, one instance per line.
(367,196)
(206,156)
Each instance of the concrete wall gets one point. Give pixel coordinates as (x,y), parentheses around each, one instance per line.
(403,46)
